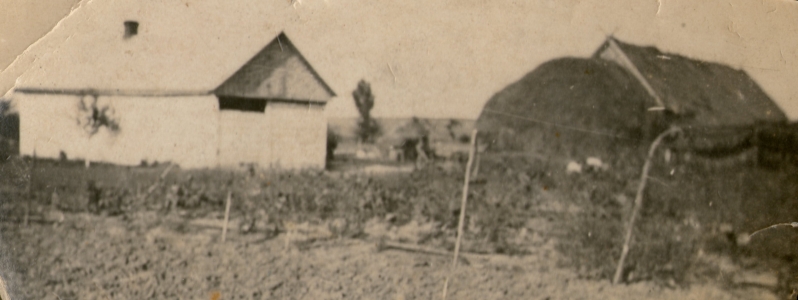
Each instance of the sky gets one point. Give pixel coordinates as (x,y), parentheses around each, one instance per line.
(446,58)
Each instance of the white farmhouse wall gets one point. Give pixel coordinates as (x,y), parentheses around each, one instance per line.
(244,138)
(298,132)
(183,130)
(189,131)
(288,135)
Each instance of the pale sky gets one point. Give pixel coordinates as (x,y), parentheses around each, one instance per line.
(447,58)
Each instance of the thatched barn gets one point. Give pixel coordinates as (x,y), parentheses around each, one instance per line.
(162,81)
(624,95)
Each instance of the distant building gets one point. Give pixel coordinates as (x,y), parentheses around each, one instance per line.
(131,92)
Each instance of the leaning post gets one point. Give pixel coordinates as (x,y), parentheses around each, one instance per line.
(639,202)
(461,223)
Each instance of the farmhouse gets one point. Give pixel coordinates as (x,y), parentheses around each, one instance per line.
(624,95)
(132,83)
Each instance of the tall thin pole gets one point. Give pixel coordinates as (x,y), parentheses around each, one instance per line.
(461,222)
(476,161)
(226,215)
(3,290)
(638,203)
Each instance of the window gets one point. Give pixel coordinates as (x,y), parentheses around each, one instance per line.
(242,104)
(131,28)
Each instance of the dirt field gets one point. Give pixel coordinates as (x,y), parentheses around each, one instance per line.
(128,233)
(89,257)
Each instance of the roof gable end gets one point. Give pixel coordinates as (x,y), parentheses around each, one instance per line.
(278,71)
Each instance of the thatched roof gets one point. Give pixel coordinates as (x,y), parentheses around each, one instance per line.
(699,93)
(569,95)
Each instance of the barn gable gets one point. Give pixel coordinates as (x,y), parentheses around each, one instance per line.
(278,71)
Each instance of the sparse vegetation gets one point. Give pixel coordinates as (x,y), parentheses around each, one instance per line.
(522,202)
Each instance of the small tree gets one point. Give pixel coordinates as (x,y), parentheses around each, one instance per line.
(364,100)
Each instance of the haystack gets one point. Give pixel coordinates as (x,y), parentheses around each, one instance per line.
(570,106)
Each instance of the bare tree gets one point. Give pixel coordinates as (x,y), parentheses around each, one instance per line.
(92,117)
(368,128)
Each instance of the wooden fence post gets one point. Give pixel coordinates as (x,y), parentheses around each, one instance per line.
(461,222)
(638,203)
(226,215)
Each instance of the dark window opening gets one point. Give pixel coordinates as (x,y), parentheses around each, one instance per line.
(242,104)
(131,28)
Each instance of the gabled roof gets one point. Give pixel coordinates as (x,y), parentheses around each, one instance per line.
(182,48)
(278,71)
(697,92)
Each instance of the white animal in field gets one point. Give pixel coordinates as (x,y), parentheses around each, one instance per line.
(573,167)
(594,163)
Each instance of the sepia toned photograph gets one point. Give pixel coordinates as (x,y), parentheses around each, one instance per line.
(339,149)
